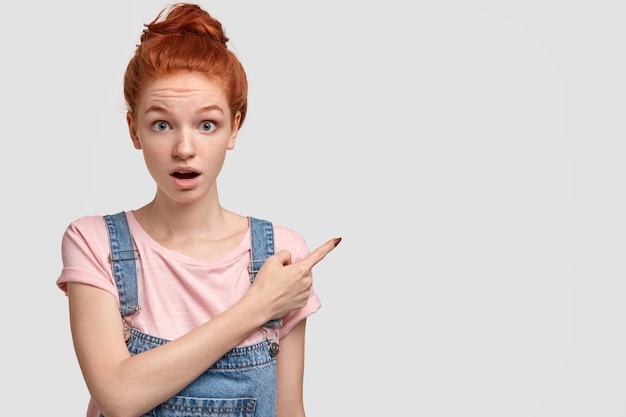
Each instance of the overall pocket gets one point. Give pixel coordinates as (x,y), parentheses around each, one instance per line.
(205,407)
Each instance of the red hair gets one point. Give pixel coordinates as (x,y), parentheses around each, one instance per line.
(184,37)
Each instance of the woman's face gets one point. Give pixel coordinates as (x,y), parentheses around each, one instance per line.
(183,126)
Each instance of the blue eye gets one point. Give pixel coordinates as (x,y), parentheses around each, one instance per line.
(207,126)
(160,125)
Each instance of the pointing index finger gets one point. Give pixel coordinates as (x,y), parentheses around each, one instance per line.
(319,253)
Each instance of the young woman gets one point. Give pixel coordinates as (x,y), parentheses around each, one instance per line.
(181,307)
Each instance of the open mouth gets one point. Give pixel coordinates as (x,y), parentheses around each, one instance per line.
(185,175)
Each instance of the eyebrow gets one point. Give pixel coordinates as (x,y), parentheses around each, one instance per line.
(212,107)
(156,108)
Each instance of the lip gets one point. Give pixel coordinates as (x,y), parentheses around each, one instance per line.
(185,178)
(184,170)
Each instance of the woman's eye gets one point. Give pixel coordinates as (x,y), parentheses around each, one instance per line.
(160,125)
(207,126)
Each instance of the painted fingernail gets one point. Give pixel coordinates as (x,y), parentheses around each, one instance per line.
(336,241)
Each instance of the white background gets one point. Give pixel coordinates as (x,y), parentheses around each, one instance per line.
(470,153)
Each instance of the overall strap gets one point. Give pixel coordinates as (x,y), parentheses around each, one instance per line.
(262,246)
(261,243)
(123,256)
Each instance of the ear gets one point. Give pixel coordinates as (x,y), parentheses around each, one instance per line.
(235,130)
(132,129)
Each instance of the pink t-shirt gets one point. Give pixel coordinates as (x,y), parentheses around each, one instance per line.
(188,292)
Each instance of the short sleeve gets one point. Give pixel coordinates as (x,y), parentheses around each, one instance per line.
(295,243)
(85,251)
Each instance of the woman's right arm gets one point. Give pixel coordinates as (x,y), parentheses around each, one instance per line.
(125,385)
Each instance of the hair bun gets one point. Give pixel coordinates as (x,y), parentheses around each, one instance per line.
(185,18)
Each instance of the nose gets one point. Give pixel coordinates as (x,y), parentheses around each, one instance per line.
(184,146)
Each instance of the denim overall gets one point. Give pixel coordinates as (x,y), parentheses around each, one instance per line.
(240,384)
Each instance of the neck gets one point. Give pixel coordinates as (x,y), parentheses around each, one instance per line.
(164,217)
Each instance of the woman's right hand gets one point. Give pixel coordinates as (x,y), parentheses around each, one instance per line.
(286,286)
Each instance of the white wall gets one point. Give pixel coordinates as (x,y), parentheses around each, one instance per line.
(470,154)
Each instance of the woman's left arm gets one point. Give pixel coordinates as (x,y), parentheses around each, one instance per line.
(290,373)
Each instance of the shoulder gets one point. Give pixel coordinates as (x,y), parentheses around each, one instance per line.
(291,240)
(87,231)
(287,235)
(282,234)
(87,225)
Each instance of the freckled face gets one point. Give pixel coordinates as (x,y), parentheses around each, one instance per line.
(183,126)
